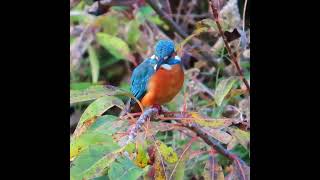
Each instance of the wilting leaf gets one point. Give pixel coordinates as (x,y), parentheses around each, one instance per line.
(158,169)
(242,136)
(93,161)
(232,35)
(124,169)
(220,135)
(223,88)
(116,46)
(94,64)
(167,152)
(209,23)
(99,106)
(218,123)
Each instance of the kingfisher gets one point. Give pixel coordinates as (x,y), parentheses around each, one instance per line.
(159,78)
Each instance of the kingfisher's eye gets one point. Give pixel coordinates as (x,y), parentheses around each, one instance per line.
(166,57)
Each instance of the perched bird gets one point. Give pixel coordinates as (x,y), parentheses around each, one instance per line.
(158,79)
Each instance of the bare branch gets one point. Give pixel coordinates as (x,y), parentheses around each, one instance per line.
(149,113)
(173,25)
(232,55)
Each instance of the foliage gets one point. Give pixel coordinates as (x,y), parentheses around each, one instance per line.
(105,49)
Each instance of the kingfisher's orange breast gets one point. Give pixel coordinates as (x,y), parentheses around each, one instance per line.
(163,86)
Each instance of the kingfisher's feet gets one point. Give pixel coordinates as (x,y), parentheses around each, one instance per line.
(158,107)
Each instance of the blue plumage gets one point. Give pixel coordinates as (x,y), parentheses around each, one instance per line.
(140,77)
(164,47)
(164,50)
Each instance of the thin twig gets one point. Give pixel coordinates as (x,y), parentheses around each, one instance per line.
(215,144)
(184,151)
(233,57)
(167,19)
(74,3)
(146,114)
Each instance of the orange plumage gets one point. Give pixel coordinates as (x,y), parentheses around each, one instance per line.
(163,86)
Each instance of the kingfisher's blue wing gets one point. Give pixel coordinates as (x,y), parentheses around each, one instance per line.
(140,78)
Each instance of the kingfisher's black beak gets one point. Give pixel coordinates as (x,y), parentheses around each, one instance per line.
(159,63)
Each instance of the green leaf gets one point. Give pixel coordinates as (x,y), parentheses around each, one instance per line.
(107,124)
(116,46)
(99,106)
(102,127)
(134,32)
(111,24)
(223,88)
(81,143)
(79,86)
(124,169)
(93,161)
(87,93)
(94,64)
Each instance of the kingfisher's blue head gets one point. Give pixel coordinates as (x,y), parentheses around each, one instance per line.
(164,49)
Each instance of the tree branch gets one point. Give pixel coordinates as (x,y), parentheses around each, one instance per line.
(143,117)
(233,57)
(151,112)
(167,19)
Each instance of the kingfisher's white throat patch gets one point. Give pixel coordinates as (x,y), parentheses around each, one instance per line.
(164,66)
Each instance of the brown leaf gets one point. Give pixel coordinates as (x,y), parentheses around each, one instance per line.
(232,35)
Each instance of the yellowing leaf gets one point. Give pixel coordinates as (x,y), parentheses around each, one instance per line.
(217,123)
(159,173)
(209,23)
(142,157)
(223,88)
(167,152)
(195,33)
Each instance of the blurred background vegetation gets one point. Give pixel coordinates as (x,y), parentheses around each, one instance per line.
(109,39)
